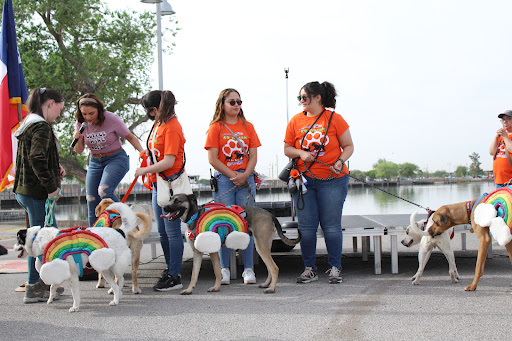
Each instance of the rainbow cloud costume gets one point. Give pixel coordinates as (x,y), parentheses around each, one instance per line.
(495,211)
(83,246)
(219,225)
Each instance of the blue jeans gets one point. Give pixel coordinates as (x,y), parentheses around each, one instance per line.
(323,204)
(36,215)
(239,196)
(170,237)
(103,176)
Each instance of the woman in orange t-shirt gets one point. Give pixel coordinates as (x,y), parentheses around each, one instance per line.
(320,141)
(500,146)
(234,160)
(167,143)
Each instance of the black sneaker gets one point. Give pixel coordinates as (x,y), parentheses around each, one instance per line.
(334,275)
(309,275)
(162,279)
(173,282)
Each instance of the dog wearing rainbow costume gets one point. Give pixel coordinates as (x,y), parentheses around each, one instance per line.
(489,215)
(109,215)
(210,226)
(62,254)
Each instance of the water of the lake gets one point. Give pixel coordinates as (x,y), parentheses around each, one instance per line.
(365,200)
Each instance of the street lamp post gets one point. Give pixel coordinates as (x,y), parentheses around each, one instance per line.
(162,8)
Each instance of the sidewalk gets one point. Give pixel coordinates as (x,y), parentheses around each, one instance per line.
(364,307)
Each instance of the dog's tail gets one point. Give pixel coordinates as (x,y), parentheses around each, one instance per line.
(286,240)
(147,225)
(414,226)
(128,217)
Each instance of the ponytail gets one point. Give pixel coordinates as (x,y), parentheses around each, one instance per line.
(326,90)
(164,101)
(39,96)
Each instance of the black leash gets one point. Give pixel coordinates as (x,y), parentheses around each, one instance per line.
(380,189)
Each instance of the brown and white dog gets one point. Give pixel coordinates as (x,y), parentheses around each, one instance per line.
(134,238)
(260,222)
(414,235)
(463,213)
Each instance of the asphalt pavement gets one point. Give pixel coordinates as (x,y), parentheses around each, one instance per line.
(364,307)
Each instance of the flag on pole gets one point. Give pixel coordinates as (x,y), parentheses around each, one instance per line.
(13,93)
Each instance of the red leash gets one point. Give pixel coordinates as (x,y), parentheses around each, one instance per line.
(143,163)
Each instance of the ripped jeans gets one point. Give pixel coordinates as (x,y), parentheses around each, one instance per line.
(103,176)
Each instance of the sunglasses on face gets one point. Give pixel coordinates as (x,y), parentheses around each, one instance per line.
(302,97)
(506,119)
(233,102)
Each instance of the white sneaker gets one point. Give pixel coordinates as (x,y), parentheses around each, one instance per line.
(249,276)
(226,276)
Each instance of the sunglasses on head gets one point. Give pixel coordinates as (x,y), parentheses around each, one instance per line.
(302,97)
(232,102)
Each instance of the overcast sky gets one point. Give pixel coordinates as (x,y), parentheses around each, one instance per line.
(419,82)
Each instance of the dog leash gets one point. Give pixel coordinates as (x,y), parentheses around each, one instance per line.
(375,187)
(143,163)
(49,209)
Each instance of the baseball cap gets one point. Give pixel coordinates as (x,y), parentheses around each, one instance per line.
(506,113)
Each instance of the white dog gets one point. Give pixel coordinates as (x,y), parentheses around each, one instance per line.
(415,235)
(104,248)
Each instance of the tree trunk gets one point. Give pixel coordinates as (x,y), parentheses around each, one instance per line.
(72,168)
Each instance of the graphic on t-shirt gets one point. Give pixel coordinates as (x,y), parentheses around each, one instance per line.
(501,150)
(96,140)
(233,151)
(313,140)
(152,142)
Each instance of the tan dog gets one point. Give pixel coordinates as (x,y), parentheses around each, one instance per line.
(134,240)
(462,213)
(260,222)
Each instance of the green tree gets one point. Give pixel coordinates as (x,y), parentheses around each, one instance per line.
(357,174)
(372,174)
(80,46)
(474,167)
(385,169)
(440,174)
(461,171)
(408,170)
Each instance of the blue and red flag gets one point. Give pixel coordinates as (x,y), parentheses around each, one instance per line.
(13,93)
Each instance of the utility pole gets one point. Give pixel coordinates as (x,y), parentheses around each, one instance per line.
(286,70)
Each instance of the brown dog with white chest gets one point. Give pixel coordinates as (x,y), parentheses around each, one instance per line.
(134,240)
(464,213)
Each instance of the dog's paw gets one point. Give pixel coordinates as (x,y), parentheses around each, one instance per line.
(113,302)
(213,289)
(111,291)
(455,277)
(100,285)
(136,290)
(470,288)
(186,292)
(269,291)
(73,309)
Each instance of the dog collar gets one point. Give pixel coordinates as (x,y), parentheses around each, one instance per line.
(194,217)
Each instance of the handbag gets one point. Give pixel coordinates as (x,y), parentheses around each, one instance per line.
(169,186)
(166,188)
(258,178)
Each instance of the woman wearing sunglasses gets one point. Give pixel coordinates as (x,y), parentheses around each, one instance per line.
(319,140)
(232,146)
(108,162)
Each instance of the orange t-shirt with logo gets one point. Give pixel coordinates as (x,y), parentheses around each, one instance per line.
(500,166)
(299,126)
(230,151)
(168,139)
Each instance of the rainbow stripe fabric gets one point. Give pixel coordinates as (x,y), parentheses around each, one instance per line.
(71,243)
(106,219)
(221,220)
(501,199)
